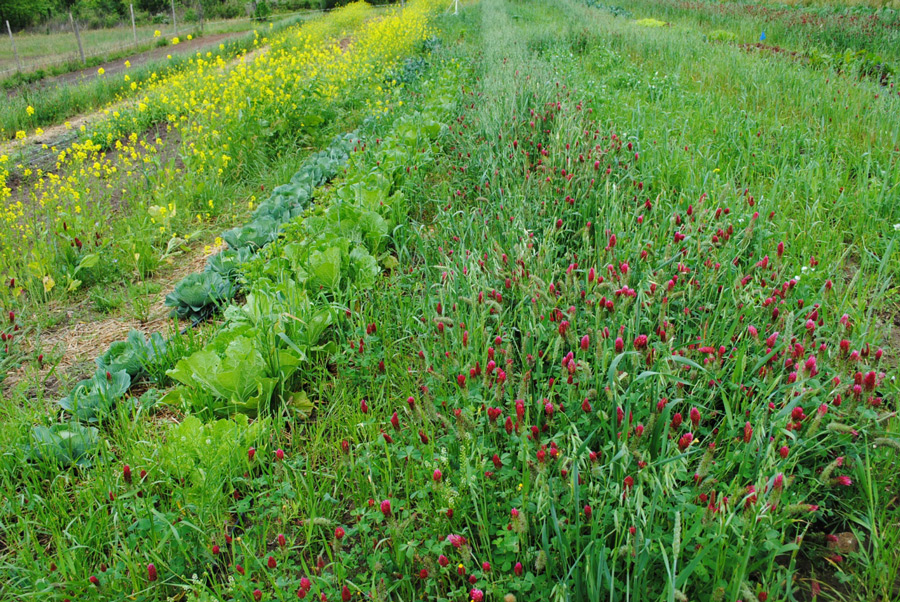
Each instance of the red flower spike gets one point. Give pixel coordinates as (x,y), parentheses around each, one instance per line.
(695,417)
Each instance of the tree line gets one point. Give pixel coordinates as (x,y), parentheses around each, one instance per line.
(23,14)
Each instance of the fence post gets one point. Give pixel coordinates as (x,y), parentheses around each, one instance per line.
(200,6)
(77,37)
(13,42)
(133,28)
(174,22)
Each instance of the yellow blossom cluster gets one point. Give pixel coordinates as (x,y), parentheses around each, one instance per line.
(194,129)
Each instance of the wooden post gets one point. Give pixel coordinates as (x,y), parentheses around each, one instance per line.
(200,7)
(174,22)
(77,37)
(13,42)
(133,28)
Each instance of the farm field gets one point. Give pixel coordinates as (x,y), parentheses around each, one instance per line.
(31,108)
(555,300)
(43,50)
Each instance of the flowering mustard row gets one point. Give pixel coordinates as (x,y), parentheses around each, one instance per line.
(161,158)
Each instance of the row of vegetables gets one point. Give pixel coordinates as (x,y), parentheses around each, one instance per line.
(295,266)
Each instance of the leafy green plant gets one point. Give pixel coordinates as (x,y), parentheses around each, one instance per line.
(721,35)
(409,72)
(229,376)
(254,235)
(133,355)
(94,399)
(227,264)
(228,383)
(332,263)
(288,201)
(68,444)
(249,364)
(198,295)
(205,455)
(650,22)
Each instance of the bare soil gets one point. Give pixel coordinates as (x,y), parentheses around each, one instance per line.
(80,340)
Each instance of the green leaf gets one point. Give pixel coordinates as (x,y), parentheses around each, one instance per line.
(238,381)
(300,402)
(87,262)
(363,268)
(67,444)
(198,295)
(325,268)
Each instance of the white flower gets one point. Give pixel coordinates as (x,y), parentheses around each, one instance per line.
(896,227)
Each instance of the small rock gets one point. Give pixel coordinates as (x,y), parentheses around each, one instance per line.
(846,542)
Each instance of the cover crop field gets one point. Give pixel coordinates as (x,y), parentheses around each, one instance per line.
(540,300)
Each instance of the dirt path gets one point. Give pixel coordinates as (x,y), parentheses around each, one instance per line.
(78,340)
(117,66)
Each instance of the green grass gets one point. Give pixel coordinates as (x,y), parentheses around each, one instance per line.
(828,27)
(629,339)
